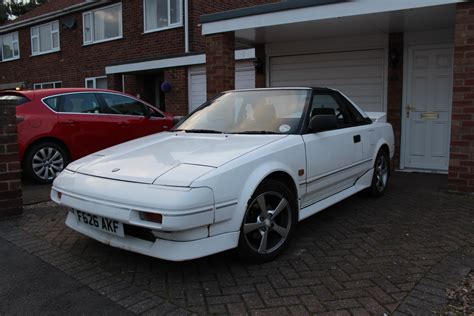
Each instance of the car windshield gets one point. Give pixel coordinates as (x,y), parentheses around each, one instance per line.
(250,112)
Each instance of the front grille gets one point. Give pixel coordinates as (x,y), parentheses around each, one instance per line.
(139,232)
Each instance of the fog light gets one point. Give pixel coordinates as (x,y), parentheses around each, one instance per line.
(151,217)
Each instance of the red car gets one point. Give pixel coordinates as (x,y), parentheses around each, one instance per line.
(57,126)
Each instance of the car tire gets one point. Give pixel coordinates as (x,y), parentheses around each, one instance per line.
(44,161)
(263,235)
(381,174)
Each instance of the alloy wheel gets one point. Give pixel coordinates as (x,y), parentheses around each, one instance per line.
(47,163)
(381,173)
(267,223)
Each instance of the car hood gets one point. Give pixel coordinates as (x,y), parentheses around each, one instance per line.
(184,156)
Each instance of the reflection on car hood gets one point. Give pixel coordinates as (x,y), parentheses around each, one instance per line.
(144,160)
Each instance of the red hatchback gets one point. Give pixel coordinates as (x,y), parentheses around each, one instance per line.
(57,126)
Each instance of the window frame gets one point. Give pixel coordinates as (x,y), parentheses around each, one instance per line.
(148,108)
(352,111)
(92,30)
(52,50)
(63,98)
(170,25)
(17,41)
(98,95)
(50,82)
(94,80)
(345,106)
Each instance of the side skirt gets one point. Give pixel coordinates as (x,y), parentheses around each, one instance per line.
(362,183)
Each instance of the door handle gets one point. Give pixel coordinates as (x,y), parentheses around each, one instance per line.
(408,108)
(123,124)
(356,139)
(69,122)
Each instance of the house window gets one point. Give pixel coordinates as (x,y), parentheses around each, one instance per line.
(47,85)
(45,38)
(104,24)
(96,83)
(162,14)
(9,49)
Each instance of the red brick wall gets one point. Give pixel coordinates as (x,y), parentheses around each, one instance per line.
(75,61)
(394,95)
(461,164)
(220,63)
(11,202)
(176,101)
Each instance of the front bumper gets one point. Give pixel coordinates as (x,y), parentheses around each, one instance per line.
(160,248)
(186,215)
(181,208)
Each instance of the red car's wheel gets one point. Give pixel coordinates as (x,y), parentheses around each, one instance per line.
(44,161)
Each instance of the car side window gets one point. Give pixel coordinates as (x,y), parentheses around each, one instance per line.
(122,105)
(53,103)
(327,104)
(356,117)
(79,103)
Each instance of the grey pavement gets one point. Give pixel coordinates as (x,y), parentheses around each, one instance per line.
(30,286)
(34,193)
(393,255)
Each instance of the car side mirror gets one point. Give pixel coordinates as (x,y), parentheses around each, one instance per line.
(323,122)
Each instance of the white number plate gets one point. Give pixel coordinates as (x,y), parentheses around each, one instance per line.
(102,223)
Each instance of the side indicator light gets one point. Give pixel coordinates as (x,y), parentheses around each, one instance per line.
(301,172)
(151,217)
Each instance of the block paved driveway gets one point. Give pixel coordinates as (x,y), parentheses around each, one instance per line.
(394,255)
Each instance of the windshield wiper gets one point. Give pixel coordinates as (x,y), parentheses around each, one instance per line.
(255,132)
(204,131)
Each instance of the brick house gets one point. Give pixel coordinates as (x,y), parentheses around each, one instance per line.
(412,59)
(143,44)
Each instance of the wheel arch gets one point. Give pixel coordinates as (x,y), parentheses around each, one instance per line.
(284,178)
(47,139)
(383,146)
(269,170)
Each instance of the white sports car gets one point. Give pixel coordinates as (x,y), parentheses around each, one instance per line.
(240,171)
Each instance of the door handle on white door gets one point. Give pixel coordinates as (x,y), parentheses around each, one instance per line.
(408,108)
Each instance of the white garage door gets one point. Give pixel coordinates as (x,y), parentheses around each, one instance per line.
(358,74)
(244,79)
(244,75)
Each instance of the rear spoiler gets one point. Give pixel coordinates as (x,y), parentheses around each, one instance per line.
(377,117)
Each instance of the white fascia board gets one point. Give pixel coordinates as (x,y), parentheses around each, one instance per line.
(172,62)
(330,11)
(245,54)
(157,64)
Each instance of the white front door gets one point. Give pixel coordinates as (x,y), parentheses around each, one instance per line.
(427,108)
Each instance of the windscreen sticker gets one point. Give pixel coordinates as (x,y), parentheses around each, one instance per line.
(284,128)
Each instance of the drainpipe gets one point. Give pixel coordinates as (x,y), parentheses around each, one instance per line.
(186,27)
